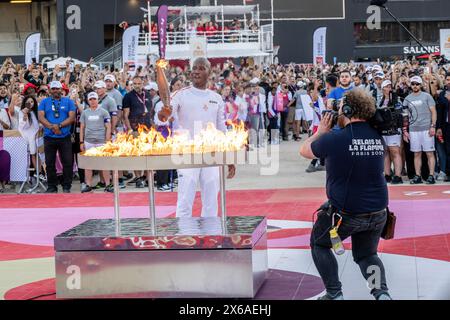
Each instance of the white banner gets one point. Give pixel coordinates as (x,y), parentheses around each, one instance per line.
(129,47)
(320,46)
(445,43)
(32,46)
(197,48)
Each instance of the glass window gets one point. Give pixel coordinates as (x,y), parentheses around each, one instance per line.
(392,32)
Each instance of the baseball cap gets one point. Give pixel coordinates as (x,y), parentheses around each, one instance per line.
(151,86)
(254,81)
(100,84)
(416,79)
(386,83)
(379,75)
(55,85)
(27,86)
(110,77)
(301,84)
(377,68)
(92,95)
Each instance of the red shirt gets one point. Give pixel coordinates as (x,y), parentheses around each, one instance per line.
(200,31)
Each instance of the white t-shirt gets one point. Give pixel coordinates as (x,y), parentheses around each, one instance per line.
(242,108)
(27,129)
(13,121)
(194,108)
(4,117)
(4,103)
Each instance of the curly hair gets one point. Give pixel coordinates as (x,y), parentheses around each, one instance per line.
(363,104)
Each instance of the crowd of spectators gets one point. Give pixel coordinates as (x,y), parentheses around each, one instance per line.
(76,108)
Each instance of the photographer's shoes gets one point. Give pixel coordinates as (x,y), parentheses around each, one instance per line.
(327,296)
(384,296)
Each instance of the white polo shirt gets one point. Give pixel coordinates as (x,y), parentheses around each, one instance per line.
(194,108)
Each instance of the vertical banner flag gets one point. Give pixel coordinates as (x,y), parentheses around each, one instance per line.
(32,45)
(129,46)
(320,46)
(445,43)
(162,14)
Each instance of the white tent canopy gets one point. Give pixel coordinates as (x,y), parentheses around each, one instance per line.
(227,10)
(61,61)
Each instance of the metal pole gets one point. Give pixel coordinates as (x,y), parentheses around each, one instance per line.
(116,201)
(223,200)
(114,36)
(149,16)
(406,29)
(151,197)
(186,28)
(273,28)
(223,25)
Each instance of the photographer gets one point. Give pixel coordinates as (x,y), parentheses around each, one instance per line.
(356,189)
(57,114)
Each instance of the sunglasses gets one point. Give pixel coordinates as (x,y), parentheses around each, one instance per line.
(415,84)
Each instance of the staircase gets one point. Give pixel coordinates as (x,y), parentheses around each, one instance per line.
(106,57)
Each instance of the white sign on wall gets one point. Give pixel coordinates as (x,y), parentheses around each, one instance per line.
(445,42)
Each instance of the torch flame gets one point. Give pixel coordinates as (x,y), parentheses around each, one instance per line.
(162,63)
(151,142)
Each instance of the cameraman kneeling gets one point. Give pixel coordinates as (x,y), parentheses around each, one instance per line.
(356,189)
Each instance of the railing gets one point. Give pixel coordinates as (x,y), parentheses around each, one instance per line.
(106,57)
(229,36)
(15,47)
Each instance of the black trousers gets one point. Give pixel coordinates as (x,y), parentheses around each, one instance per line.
(284,126)
(162,177)
(365,232)
(76,150)
(64,147)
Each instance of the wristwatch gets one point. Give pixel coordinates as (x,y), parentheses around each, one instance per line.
(433,126)
(60,126)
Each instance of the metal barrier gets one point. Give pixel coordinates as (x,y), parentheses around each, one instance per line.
(227,36)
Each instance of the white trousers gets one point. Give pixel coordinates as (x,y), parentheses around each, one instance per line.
(188,180)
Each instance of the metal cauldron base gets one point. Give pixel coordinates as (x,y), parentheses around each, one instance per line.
(186,258)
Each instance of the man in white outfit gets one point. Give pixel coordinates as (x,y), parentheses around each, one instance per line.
(193,108)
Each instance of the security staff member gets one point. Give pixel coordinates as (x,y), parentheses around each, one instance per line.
(57,114)
(193,108)
(356,190)
(137,107)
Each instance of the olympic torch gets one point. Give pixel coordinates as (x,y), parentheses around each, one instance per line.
(162,63)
